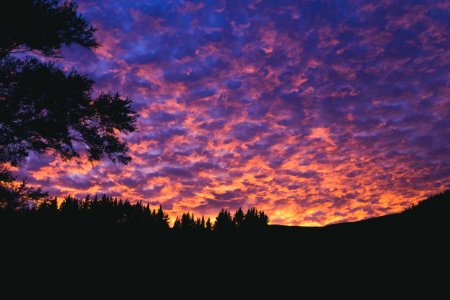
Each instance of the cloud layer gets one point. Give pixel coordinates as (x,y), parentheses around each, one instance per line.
(314,111)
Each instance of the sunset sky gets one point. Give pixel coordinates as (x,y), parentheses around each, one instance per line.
(314,111)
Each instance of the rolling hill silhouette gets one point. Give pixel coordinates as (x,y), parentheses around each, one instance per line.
(416,236)
(433,211)
(429,216)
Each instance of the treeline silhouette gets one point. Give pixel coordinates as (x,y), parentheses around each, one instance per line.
(109,211)
(101,212)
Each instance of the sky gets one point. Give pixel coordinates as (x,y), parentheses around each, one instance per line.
(314,111)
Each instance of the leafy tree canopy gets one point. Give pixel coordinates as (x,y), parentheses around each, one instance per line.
(42,27)
(43,108)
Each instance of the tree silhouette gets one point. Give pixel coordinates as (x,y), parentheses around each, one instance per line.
(162,219)
(238,218)
(42,27)
(70,211)
(224,222)
(44,108)
(255,220)
(187,222)
(16,196)
(208,225)
(263,219)
(49,207)
(202,225)
(177,224)
(96,212)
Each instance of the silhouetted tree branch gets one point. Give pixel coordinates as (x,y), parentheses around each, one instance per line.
(42,26)
(14,195)
(45,109)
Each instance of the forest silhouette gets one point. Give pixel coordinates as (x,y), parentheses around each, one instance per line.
(94,213)
(113,212)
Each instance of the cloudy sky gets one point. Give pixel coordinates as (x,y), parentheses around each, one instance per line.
(314,111)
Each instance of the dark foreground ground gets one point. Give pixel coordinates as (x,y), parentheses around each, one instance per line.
(412,247)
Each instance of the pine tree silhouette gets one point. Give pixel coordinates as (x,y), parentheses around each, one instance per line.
(224,222)
(162,219)
(209,226)
(238,218)
(177,224)
(187,222)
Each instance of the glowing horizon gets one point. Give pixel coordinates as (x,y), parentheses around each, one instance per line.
(314,111)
